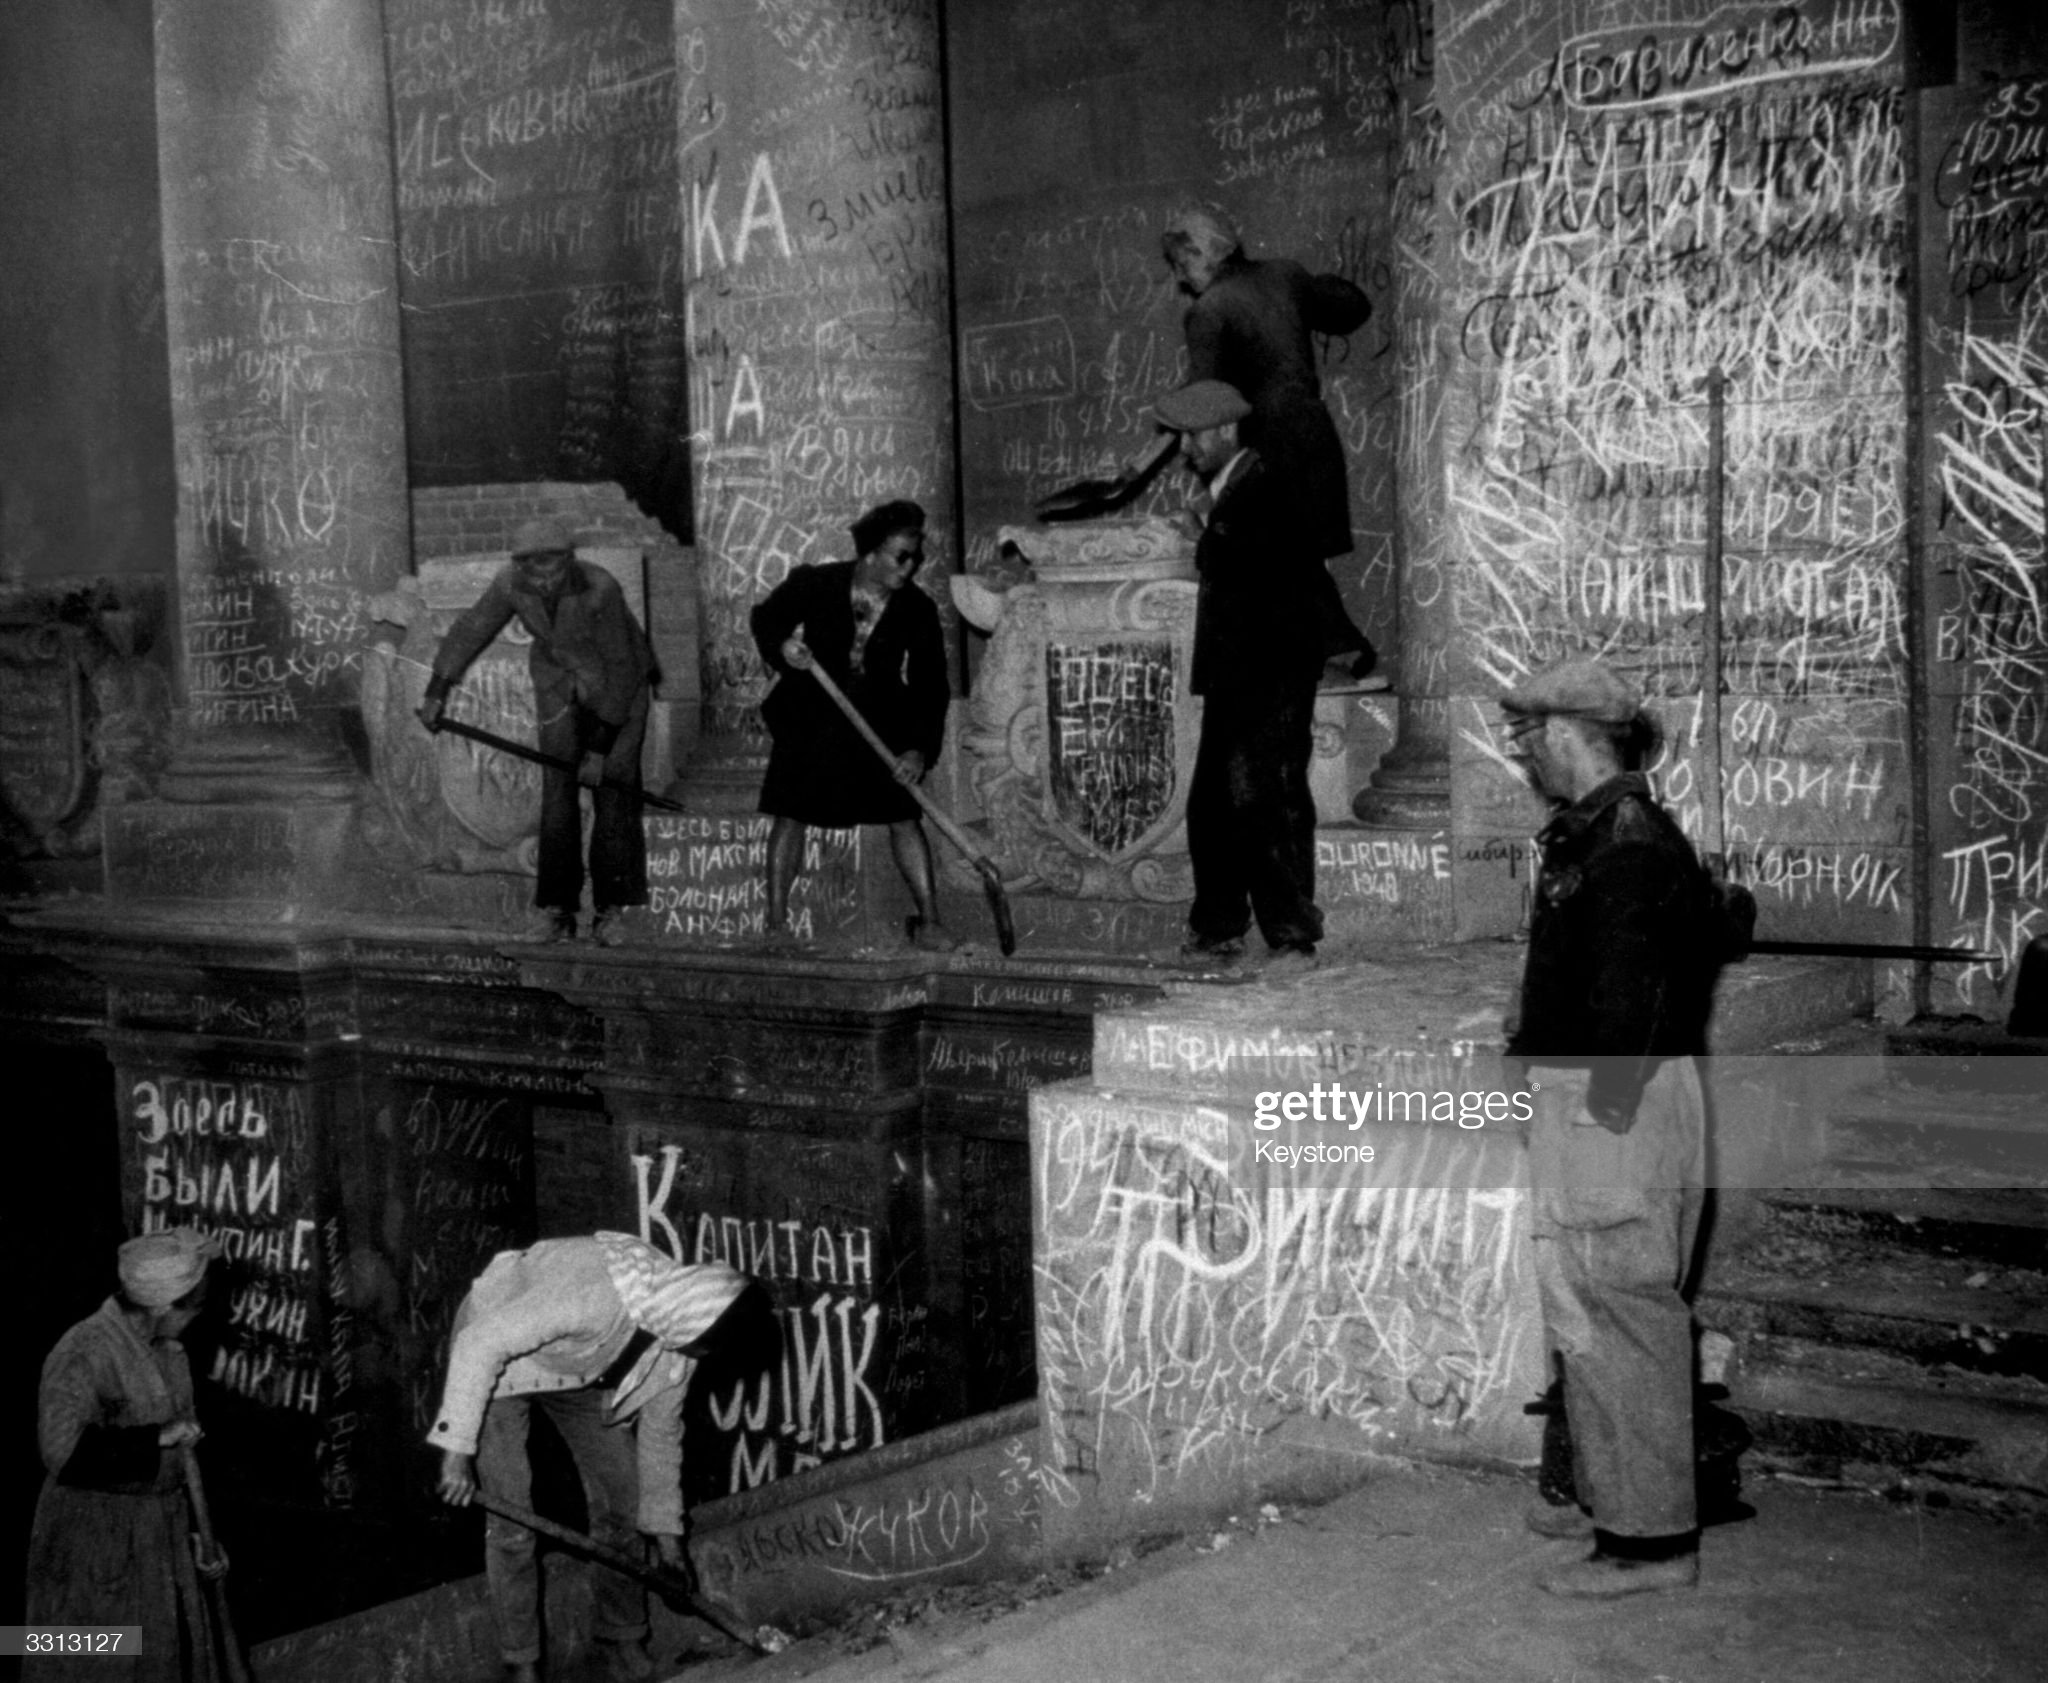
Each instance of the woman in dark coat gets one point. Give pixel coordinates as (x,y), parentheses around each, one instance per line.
(112,1542)
(878,636)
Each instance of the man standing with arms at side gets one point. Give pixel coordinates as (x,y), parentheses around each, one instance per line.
(1258,651)
(591,670)
(1615,999)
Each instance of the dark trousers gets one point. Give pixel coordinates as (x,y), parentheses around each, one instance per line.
(1251,818)
(618,846)
(607,1462)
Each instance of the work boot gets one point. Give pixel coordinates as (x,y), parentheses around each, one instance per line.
(1205,949)
(608,926)
(933,937)
(550,923)
(1285,963)
(1604,1577)
(1566,1520)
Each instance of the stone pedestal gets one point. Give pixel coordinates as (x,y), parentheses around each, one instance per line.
(454,805)
(1081,731)
(1215,1325)
(274,138)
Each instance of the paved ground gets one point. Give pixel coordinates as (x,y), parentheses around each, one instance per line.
(1427,1576)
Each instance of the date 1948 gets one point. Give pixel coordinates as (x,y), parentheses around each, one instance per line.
(110,1640)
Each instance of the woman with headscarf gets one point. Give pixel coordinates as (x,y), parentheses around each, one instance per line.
(877,635)
(113,1537)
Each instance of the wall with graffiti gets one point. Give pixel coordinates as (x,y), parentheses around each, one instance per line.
(1985,238)
(1632,198)
(1203,1313)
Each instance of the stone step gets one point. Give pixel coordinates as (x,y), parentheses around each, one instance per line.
(1980,1450)
(1954,1053)
(1919,1316)
(1376,888)
(1428,1017)
(2002,1226)
(1916,1106)
(1423,1018)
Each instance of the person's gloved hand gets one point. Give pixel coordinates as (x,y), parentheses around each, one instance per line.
(910,768)
(798,653)
(210,1566)
(432,708)
(590,771)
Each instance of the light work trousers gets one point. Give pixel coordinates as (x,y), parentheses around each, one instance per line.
(1616,1218)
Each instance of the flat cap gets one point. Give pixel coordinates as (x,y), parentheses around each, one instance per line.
(1202,403)
(546,536)
(1582,689)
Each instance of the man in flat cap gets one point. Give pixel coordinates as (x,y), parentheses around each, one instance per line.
(113,1538)
(591,668)
(602,1334)
(1258,652)
(1614,1006)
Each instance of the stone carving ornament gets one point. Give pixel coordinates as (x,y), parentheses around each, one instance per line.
(84,716)
(1080,729)
(442,800)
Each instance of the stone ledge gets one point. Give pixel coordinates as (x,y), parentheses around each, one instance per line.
(953,1505)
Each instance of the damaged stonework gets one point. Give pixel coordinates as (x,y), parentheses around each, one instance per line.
(962,1504)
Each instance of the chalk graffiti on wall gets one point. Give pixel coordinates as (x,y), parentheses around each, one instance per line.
(1188,1306)
(817,299)
(1990,607)
(229,1158)
(1614,256)
(824,1397)
(708,876)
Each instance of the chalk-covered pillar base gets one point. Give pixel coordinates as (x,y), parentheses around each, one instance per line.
(1411,787)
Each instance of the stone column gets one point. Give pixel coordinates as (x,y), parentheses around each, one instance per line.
(1411,789)
(280,285)
(814,174)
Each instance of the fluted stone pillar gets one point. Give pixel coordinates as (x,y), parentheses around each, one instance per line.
(1411,788)
(274,137)
(814,164)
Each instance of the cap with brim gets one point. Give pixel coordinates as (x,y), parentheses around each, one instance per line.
(1202,404)
(546,536)
(1580,689)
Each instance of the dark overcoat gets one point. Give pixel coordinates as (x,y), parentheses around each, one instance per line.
(588,649)
(820,770)
(1258,621)
(1252,328)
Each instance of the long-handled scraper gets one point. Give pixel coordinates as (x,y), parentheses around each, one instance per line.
(984,866)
